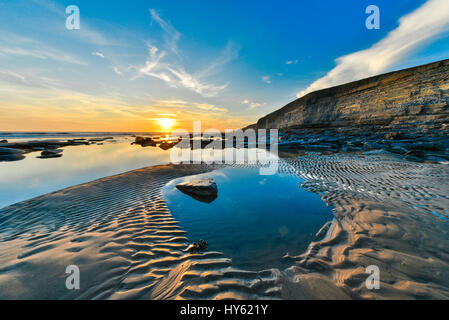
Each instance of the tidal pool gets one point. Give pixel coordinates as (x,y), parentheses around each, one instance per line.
(255,220)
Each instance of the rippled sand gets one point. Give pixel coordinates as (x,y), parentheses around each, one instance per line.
(120,233)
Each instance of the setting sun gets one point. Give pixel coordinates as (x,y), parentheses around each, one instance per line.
(166,123)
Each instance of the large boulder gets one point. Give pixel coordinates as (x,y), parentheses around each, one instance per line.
(204,190)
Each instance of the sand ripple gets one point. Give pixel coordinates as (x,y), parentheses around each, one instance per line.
(120,233)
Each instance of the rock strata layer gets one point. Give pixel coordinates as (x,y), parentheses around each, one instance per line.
(412,97)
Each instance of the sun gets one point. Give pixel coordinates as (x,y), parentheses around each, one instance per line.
(166,123)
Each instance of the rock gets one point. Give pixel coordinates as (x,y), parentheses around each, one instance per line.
(204,190)
(372,145)
(319,147)
(415,153)
(393,136)
(47,154)
(3,141)
(9,154)
(6,151)
(350,149)
(145,141)
(398,150)
(197,246)
(12,157)
(413,158)
(379,152)
(397,100)
(167,145)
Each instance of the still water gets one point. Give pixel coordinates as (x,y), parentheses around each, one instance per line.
(31,177)
(255,220)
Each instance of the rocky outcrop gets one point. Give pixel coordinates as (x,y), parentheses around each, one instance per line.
(412,97)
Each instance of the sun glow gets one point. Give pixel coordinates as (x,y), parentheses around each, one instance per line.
(166,123)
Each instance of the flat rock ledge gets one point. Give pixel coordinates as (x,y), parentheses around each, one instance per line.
(204,190)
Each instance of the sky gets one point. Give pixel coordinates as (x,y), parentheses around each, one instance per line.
(226,63)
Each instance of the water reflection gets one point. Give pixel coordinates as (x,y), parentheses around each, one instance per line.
(255,220)
(31,177)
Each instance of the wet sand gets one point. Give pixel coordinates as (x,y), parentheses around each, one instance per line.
(120,233)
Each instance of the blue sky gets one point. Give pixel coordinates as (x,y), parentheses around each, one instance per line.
(224,62)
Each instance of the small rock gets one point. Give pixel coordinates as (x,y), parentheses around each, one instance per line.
(145,141)
(197,246)
(415,153)
(47,154)
(166,145)
(393,136)
(204,190)
(398,150)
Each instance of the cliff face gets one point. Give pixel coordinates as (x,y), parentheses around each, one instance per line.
(407,97)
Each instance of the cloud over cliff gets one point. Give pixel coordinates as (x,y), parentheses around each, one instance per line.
(415,30)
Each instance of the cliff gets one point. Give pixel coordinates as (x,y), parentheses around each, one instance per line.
(411,96)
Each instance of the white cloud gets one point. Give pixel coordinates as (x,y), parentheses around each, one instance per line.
(154,67)
(98,54)
(117,71)
(251,104)
(172,35)
(266,79)
(12,44)
(190,82)
(183,104)
(173,73)
(292,62)
(415,30)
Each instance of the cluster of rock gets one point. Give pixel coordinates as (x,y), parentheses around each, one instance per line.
(416,144)
(154,142)
(14,151)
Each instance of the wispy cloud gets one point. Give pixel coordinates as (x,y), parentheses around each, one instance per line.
(117,71)
(266,79)
(191,82)
(172,35)
(251,104)
(169,69)
(98,54)
(16,45)
(292,61)
(154,67)
(180,104)
(415,30)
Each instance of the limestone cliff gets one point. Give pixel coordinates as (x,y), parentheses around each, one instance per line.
(407,97)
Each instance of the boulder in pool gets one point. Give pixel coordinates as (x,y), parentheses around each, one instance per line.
(204,190)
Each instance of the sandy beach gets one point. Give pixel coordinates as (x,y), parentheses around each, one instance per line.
(121,234)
